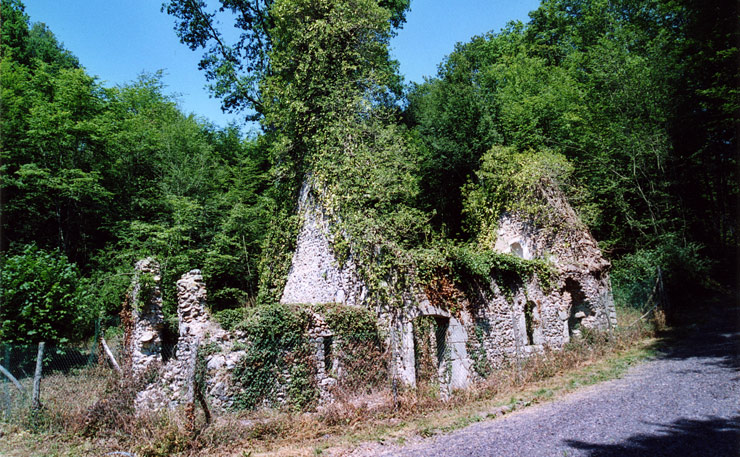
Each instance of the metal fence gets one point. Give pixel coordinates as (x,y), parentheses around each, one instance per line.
(65,370)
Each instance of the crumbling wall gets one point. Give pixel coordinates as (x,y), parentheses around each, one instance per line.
(198,336)
(483,327)
(208,354)
(500,322)
(144,336)
(321,337)
(582,272)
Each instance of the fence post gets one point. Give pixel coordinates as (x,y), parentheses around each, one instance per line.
(37,377)
(6,362)
(94,345)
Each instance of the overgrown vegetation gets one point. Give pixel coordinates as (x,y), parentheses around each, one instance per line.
(629,107)
(601,93)
(591,97)
(43,298)
(358,348)
(278,355)
(344,423)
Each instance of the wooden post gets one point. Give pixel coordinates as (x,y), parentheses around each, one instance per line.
(111,359)
(12,379)
(37,377)
(194,389)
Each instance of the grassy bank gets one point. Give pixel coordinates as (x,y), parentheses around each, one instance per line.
(64,427)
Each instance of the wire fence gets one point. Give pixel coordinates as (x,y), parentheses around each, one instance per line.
(65,370)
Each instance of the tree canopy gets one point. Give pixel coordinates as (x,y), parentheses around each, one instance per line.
(629,106)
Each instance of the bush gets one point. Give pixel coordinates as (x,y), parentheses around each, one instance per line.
(511,181)
(43,298)
(229,318)
(684,269)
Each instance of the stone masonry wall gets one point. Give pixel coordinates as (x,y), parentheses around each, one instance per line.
(315,276)
(493,324)
(506,324)
(145,342)
(196,333)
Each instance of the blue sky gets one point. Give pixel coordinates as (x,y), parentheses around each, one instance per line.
(118,40)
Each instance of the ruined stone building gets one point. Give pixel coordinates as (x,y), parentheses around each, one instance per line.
(495,324)
(490,325)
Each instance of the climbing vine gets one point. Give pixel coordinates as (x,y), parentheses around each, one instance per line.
(513,182)
(477,352)
(358,346)
(278,355)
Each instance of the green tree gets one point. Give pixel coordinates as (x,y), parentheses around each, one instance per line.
(618,88)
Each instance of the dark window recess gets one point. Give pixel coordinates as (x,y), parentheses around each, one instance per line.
(328,343)
(441,336)
(578,304)
(529,321)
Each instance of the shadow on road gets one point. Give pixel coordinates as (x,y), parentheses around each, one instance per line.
(710,332)
(716,437)
(712,335)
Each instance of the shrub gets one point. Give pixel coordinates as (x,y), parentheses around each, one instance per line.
(684,271)
(43,298)
(510,181)
(229,318)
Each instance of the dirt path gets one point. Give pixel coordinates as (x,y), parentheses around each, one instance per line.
(686,402)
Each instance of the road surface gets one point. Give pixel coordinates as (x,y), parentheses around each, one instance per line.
(686,402)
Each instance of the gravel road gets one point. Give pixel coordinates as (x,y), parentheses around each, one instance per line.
(686,402)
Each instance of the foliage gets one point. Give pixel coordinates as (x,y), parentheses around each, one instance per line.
(237,70)
(229,318)
(327,100)
(682,268)
(278,346)
(629,106)
(351,323)
(111,175)
(511,182)
(480,265)
(616,88)
(43,298)
(358,347)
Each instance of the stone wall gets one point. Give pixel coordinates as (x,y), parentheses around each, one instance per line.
(145,299)
(495,321)
(203,345)
(492,324)
(315,276)
(563,241)
(197,333)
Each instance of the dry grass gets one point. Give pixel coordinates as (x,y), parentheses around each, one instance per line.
(75,424)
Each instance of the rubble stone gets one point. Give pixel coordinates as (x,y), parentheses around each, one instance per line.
(145,346)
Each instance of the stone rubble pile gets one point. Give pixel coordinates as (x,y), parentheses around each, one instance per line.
(196,333)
